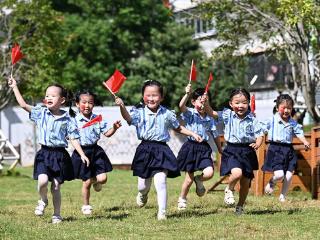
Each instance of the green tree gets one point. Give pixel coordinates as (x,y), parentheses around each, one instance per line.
(35,26)
(289,26)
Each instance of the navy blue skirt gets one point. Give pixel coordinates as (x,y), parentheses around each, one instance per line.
(99,162)
(152,157)
(239,156)
(55,162)
(194,156)
(280,156)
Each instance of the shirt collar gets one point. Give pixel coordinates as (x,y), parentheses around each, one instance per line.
(280,120)
(80,117)
(64,113)
(195,111)
(149,112)
(249,115)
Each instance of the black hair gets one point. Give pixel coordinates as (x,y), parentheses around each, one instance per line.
(197,93)
(148,83)
(242,91)
(68,95)
(284,98)
(87,92)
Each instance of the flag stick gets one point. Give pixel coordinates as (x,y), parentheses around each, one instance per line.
(109,89)
(190,72)
(11,71)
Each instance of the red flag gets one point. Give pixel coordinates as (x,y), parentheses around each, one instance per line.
(253,103)
(97,119)
(16,54)
(209,82)
(115,81)
(193,72)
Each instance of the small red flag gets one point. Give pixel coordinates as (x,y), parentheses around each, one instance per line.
(93,121)
(115,82)
(209,82)
(16,54)
(253,103)
(193,72)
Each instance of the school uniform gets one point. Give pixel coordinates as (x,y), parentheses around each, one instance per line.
(194,156)
(239,134)
(153,155)
(89,136)
(280,154)
(53,159)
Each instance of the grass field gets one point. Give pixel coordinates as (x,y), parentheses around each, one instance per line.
(116,215)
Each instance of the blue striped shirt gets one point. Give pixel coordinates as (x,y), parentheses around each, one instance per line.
(198,124)
(281,131)
(52,131)
(153,126)
(90,135)
(237,130)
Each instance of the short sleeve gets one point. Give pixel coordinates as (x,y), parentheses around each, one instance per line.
(135,116)
(36,112)
(298,130)
(104,126)
(258,130)
(265,125)
(73,132)
(224,115)
(172,118)
(213,129)
(187,115)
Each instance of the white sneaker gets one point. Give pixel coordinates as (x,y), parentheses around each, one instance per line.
(39,210)
(228,197)
(269,188)
(86,209)
(97,186)
(162,215)
(239,210)
(282,198)
(200,189)
(142,199)
(182,203)
(56,219)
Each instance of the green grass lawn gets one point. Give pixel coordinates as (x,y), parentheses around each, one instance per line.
(116,215)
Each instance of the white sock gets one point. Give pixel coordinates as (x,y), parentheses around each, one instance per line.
(286,183)
(43,187)
(144,185)
(56,197)
(160,183)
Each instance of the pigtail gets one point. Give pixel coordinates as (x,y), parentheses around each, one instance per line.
(69,102)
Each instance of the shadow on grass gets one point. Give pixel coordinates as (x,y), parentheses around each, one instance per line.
(96,217)
(192,213)
(273,211)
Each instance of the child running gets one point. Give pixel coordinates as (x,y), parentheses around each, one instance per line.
(194,156)
(52,161)
(153,157)
(281,158)
(243,136)
(96,173)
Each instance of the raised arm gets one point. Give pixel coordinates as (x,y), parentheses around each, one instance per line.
(13,84)
(184,99)
(209,109)
(123,110)
(115,127)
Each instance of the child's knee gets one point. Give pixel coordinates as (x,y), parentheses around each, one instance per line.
(208,172)
(102,178)
(236,173)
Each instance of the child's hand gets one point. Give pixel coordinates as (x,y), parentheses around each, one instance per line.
(307,146)
(119,101)
(188,89)
(85,160)
(255,145)
(12,82)
(117,124)
(197,137)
